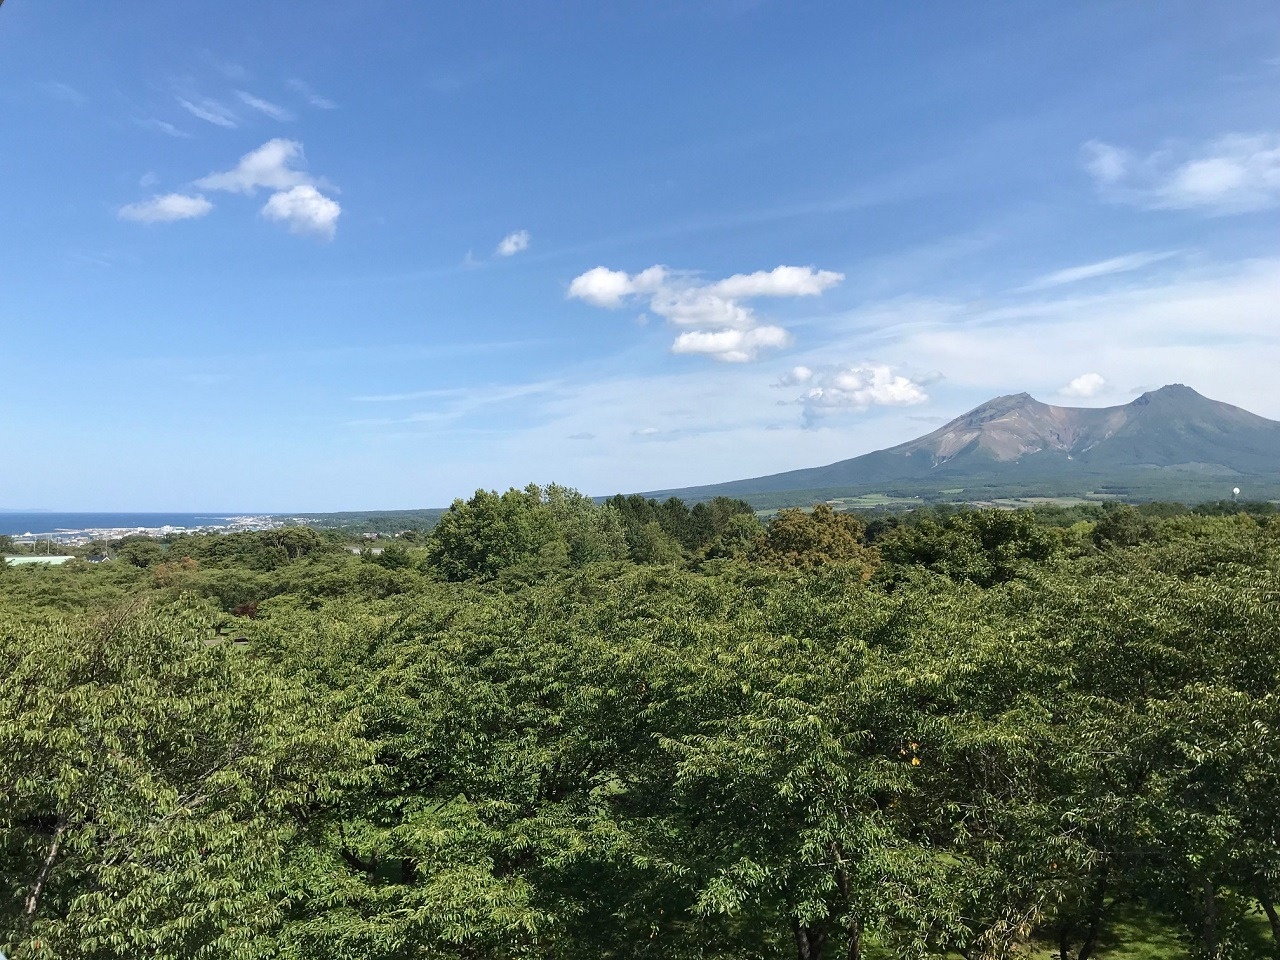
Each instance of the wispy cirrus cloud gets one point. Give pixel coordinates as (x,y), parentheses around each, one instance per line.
(314,99)
(725,327)
(66,93)
(272,110)
(166,208)
(1102,268)
(163,126)
(455,403)
(1237,173)
(210,111)
(1212,327)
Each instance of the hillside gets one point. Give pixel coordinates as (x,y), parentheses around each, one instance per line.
(1170,443)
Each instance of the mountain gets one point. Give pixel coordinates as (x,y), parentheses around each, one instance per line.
(1170,443)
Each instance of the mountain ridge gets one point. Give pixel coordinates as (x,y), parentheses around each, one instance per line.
(1169,443)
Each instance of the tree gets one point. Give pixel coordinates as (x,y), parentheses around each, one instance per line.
(985,547)
(139,550)
(1122,526)
(480,537)
(147,778)
(807,539)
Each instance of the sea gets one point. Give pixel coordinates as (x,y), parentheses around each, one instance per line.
(39,523)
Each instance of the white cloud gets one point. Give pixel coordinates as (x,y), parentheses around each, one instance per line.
(1103,268)
(795,376)
(305,210)
(313,98)
(166,209)
(603,287)
(1106,163)
(513,243)
(295,202)
(699,307)
(1084,386)
(164,126)
(726,328)
(1237,173)
(211,111)
(1213,328)
(66,93)
(855,388)
(778,282)
(274,111)
(274,165)
(731,346)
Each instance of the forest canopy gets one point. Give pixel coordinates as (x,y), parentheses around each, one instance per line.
(557,728)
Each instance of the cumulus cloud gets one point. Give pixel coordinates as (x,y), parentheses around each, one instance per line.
(210,111)
(1237,173)
(513,243)
(794,377)
(1103,268)
(274,165)
(1084,386)
(296,202)
(305,210)
(725,328)
(731,346)
(274,111)
(603,287)
(166,208)
(854,388)
(778,282)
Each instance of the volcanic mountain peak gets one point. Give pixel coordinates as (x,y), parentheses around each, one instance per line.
(1168,440)
(1010,427)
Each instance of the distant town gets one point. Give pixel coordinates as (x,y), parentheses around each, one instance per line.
(84,537)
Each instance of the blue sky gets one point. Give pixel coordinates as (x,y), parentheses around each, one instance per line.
(270,256)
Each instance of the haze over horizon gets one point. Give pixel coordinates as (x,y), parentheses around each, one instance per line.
(386,254)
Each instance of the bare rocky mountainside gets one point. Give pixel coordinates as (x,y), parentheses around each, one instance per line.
(1170,443)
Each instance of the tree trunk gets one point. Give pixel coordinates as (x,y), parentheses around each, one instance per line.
(1269,909)
(1064,941)
(855,940)
(42,878)
(1209,926)
(809,941)
(853,925)
(1097,912)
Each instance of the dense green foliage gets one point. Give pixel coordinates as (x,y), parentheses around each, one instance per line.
(562,729)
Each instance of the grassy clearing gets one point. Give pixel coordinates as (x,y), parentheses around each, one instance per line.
(1133,935)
